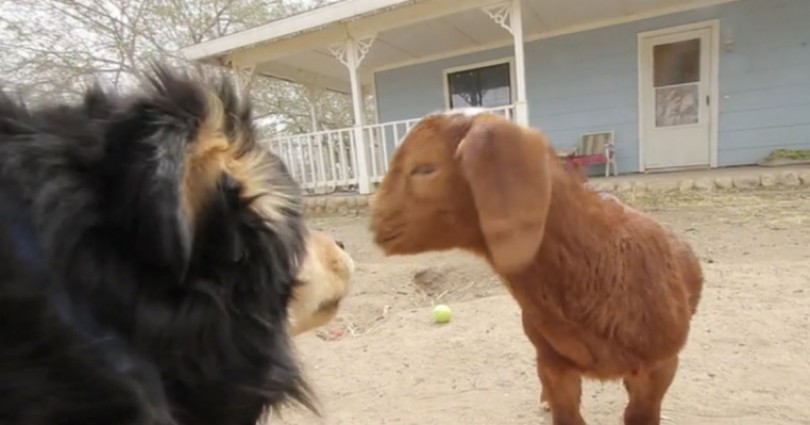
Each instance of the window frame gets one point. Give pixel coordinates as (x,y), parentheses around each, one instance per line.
(510,61)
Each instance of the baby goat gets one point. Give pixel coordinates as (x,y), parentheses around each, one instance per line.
(605,291)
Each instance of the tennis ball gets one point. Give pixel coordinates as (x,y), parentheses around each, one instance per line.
(441,313)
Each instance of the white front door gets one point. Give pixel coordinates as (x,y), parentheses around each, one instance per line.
(676,86)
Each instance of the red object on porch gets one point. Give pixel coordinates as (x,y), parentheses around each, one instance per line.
(586,160)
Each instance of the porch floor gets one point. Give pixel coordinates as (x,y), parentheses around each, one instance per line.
(695,175)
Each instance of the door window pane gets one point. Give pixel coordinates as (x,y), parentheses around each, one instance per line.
(676,105)
(676,63)
(487,87)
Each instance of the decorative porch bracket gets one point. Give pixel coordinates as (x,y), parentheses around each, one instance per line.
(351,55)
(509,15)
(501,14)
(362,46)
(247,76)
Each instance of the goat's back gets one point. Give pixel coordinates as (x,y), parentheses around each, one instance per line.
(610,285)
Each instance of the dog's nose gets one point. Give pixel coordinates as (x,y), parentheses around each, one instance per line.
(340,244)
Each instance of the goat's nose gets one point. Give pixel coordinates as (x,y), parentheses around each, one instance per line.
(340,244)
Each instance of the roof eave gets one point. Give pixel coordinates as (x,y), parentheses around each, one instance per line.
(292,26)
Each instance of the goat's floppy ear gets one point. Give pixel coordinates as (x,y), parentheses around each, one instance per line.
(506,167)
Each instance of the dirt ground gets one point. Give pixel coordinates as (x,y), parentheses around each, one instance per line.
(747,361)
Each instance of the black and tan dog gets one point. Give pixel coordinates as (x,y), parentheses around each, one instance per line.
(148,253)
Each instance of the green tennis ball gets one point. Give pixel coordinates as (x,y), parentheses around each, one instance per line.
(441,313)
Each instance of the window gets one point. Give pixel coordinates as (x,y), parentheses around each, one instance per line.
(676,78)
(488,87)
(676,63)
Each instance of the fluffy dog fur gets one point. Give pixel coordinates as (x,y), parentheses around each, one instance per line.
(325,278)
(148,253)
(605,291)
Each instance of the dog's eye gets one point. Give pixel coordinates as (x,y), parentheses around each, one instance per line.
(423,170)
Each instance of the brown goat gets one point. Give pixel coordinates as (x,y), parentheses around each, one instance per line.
(605,291)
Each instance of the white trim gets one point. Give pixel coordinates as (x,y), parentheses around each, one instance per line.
(640,81)
(452,70)
(555,33)
(692,26)
(640,102)
(521,101)
(376,99)
(714,100)
(483,64)
(300,76)
(306,21)
(368,23)
(714,82)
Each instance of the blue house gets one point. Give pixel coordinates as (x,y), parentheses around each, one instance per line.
(679,84)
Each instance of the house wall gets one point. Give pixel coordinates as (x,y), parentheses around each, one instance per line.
(588,81)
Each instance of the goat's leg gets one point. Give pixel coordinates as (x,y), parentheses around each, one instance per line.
(646,391)
(543,396)
(562,387)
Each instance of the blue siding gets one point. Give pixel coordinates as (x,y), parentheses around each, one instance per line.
(765,80)
(588,81)
(413,91)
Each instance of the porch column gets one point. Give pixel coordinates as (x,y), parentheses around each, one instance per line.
(314,94)
(351,55)
(512,11)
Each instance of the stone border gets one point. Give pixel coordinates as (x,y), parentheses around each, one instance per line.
(344,205)
(355,205)
(747,181)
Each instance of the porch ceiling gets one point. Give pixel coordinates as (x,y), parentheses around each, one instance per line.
(407,32)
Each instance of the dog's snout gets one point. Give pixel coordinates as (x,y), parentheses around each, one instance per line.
(340,244)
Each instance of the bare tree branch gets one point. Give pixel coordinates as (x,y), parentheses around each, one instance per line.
(55,47)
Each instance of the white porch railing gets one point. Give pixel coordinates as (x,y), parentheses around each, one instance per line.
(326,161)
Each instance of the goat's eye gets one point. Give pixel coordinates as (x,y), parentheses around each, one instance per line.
(423,169)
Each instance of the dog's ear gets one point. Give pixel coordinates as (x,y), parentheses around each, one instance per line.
(168,150)
(146,187)
(506,166)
